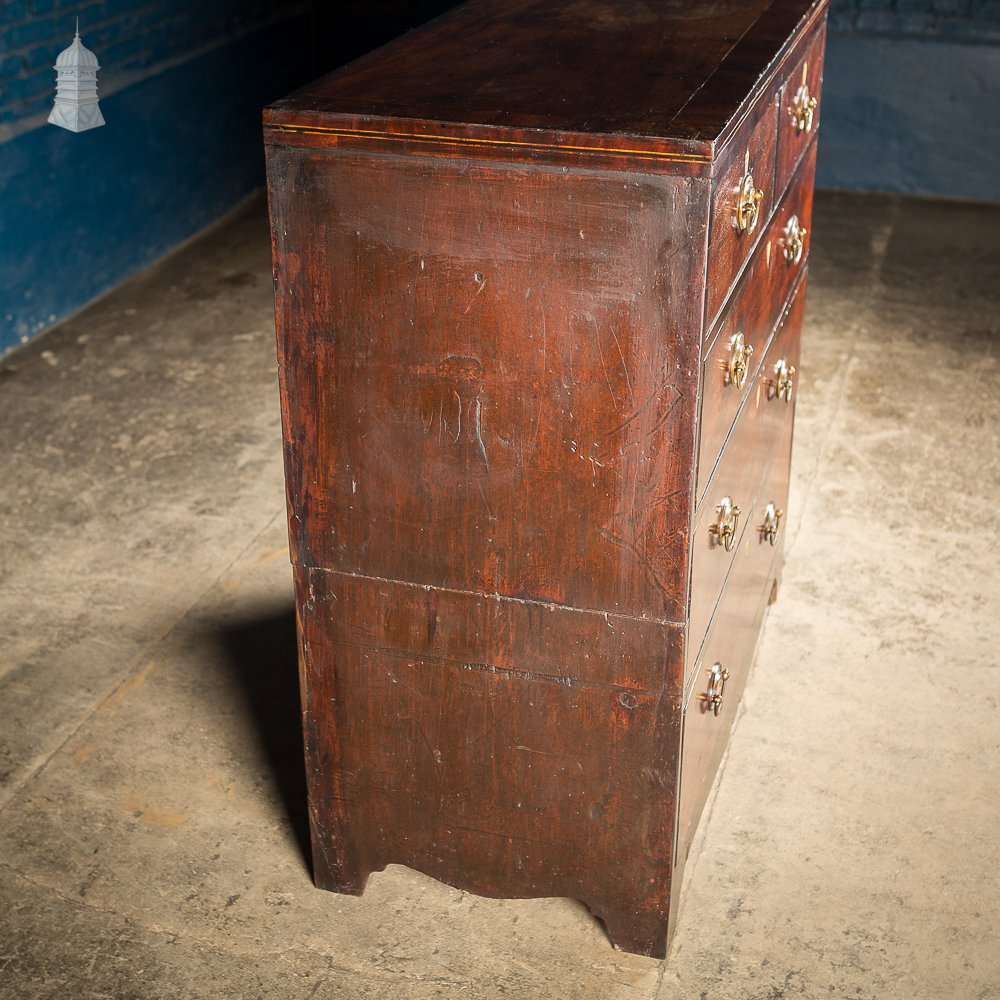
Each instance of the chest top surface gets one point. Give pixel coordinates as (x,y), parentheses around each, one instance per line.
(668,74)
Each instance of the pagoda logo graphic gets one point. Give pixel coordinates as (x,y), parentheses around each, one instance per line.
(76,106)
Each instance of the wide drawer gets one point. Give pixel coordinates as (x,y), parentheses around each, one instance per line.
(799,106)
(765,420)
(750,318)
(723,663)
(742,201)
(723,519)
(719,678)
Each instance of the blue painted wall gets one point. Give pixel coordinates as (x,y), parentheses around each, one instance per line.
(911,103)
(912,97)
(181,89)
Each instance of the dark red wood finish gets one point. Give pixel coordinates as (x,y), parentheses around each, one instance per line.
(754,311)
(491,248)
(488,387)
(775,486)
(753,151)
(731,642)
(457,738)
(777,409)
(805,66)
(739,478)
(731,639)
(640,76)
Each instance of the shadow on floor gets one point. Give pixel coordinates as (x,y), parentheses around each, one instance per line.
(262,654)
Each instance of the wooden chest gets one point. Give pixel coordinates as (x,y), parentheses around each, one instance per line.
(540,274)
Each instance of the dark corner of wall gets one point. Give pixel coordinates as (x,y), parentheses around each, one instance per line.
(181,86)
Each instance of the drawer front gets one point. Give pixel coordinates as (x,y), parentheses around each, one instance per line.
(771,513)
(742,201)
(738,479)
(779,374)
(750,319)
(765,420)
(799,106)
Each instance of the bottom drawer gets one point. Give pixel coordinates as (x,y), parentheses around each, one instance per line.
(722,666)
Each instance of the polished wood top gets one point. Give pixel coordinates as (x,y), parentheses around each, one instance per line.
(665,74)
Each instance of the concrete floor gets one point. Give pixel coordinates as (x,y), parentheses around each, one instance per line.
(152,807)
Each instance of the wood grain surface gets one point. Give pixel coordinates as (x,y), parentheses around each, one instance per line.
(660,78)
(490,375)
(490,765)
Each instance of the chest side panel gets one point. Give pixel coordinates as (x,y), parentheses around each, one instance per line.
(489,374)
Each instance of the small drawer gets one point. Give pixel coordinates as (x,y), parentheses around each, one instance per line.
(742,201)
(767,534)
(779,374)
(799,106)
(749,321)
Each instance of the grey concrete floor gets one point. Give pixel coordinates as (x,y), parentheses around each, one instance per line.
(151,803)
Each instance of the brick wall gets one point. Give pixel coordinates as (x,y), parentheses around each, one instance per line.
(969,20)
(131,38)
(911,90)
(181,85)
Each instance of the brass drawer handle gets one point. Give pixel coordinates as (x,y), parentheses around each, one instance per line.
(725,528)
(784,383)
(803,108)
(748,199)
(794,240)
(740,353)
(717,677)
(772,521)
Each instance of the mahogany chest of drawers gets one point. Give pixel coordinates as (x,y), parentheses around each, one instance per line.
(540,274)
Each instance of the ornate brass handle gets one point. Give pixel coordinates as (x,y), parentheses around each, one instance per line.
(794,240)
(803,109)
(725,528)
(717,677)
(748,198)
(740,353)
(772,520)
(784,382)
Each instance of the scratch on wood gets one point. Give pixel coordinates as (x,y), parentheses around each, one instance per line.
(660,421)
(477,423)
(482,284)
(621,354)
(600,353)
(512,674)
(500,599)
(545,342)
(489,509)
(643,561)
(544,753)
